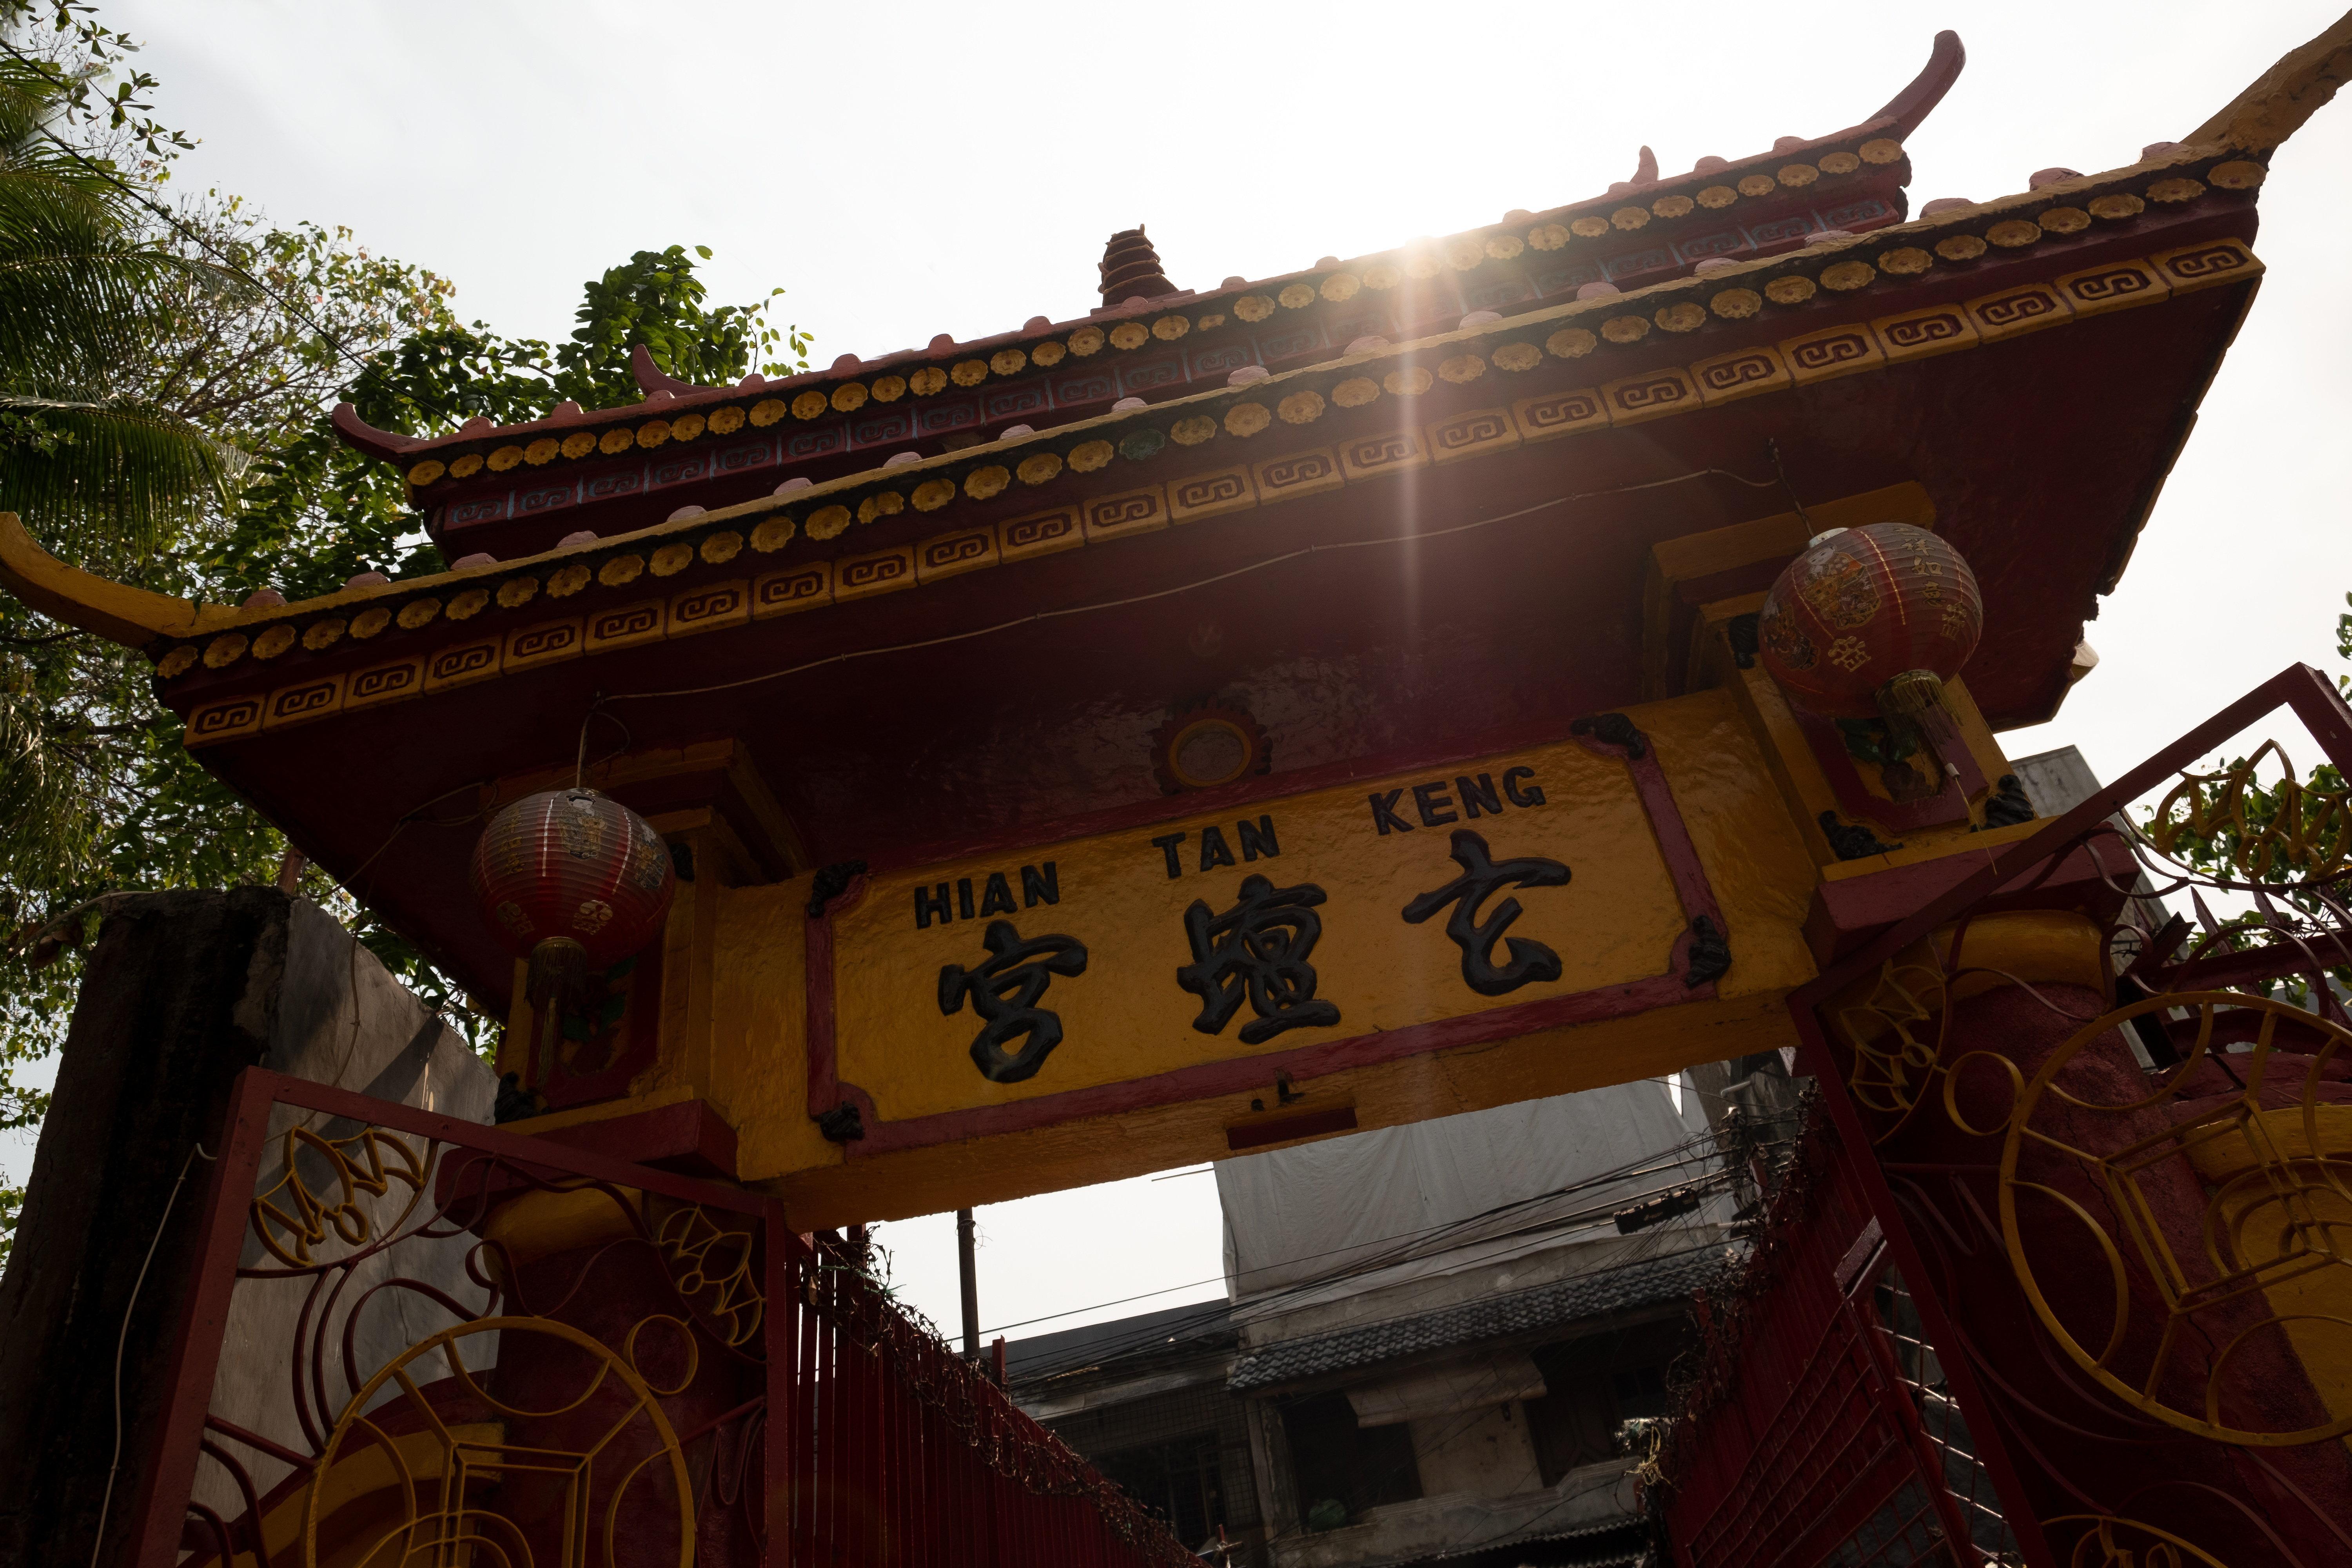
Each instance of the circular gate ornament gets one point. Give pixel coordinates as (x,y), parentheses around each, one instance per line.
(1869,622)
(2273,1238)
(425,1472)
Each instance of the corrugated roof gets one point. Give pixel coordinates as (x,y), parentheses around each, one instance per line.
(1594,1295)
(1200,1324)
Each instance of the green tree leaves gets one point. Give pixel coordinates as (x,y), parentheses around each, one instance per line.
(167,373)
(655,299)
(85,301)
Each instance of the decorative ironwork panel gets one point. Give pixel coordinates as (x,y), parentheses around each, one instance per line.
(2105,1082)
(420,1341)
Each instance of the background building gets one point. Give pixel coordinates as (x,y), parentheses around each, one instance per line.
(1435,1338)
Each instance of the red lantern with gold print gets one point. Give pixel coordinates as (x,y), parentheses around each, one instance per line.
(574,881)
(1869,622)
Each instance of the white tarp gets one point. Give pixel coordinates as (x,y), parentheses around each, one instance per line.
(1406,1199)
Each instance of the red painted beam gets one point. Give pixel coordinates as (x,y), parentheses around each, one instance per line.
(2095,876)
(687,1138)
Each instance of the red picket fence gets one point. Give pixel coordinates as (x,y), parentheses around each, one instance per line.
(1818,1427)
(903,1454)
(415,1339)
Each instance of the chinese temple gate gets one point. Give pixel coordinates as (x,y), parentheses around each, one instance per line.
(1241,715)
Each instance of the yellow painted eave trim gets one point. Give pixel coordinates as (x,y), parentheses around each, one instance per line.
(2274,105)
(131,616)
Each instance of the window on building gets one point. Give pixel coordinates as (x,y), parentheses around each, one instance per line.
(1178,1481)
(1157,1448)
(1639,1391)
(1592,1384)
(1575,1422)
(1333,1459)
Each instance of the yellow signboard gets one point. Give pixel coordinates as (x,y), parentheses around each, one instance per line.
(1342,927)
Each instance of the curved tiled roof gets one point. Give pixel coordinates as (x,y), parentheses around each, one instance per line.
(1240,446)
(1532,255)
(1598,1294)
(1646,228)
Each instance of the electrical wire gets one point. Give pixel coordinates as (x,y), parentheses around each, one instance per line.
(1632,1168)
(1099,1353)
(348,885)
(122,1340)
(1543,1233)
(1697,1143)
(1773,447)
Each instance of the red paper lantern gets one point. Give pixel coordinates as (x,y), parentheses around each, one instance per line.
(1869,622)
(574,881)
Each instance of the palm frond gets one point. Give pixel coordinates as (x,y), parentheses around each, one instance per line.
(49,831)
(32,104)
(85,299)
(113,472)
(90,318)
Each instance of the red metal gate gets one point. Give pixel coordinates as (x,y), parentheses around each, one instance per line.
(1820,1426)
(416,1340)
(2068,1274)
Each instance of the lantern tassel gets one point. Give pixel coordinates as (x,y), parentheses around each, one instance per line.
(1910,694)
(555,980)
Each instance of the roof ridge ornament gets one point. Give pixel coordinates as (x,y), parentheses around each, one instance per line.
(1131,269)
(651,378)
(1646,173)
(383,445)
(1915,102)
(2274,106)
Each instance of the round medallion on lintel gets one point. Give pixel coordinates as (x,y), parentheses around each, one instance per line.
(1205,747)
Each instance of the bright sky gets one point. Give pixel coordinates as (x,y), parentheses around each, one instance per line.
(920,168)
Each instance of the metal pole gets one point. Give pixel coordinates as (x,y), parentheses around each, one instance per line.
(969,1269)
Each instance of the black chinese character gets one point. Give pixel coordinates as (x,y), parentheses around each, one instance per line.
(1481,875)
(1004,992)
(1258,948)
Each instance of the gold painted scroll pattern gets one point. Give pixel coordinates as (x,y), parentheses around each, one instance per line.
(2267,1169)
(1896,1036)
(713,1268)
(442,1494)
(2107,1541)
